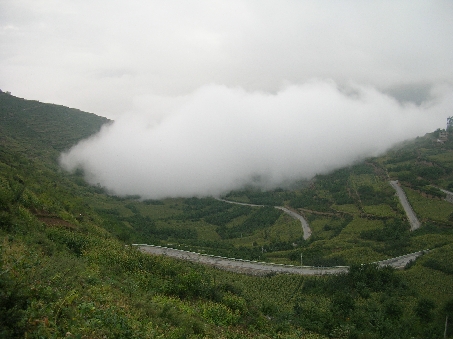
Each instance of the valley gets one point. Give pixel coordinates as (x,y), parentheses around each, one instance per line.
(68,267)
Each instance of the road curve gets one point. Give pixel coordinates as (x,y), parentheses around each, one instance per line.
(414,222)
(239,203)
(305,227)
(261,268)
(239,265)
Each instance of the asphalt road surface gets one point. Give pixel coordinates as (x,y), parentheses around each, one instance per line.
(305,227)
(415,223)
(260,268)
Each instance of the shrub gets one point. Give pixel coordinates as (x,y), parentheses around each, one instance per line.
(14,299)
(424,310)
(219,314)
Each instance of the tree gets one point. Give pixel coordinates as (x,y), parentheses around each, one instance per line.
(424,310)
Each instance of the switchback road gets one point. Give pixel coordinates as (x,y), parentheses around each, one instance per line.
(261,268)
(415,223)
(239,265)
(305,227)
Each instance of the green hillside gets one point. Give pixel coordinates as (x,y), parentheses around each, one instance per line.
(66,270)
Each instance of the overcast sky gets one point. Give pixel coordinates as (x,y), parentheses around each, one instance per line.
(162,69)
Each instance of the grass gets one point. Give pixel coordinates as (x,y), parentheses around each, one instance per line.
(318,225)
(429,283)
(360,255)
(347,208)
(358,180)
(325,227)
(430,241)
(445,158)
(168,209)
(205,231)
(258,237)
(357,225)
(281,257)
(380,210)
(239,198)
(426,208)
(109,204)
(266,291)
(286,229)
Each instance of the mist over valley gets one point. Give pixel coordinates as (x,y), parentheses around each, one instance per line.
(220,139)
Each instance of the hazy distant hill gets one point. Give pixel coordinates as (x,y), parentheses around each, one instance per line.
(36,126)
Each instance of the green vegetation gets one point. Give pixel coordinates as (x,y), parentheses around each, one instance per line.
(67,270)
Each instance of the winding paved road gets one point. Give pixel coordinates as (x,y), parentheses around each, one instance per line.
(261,268)
(239,265)
(305,227)
(415,223)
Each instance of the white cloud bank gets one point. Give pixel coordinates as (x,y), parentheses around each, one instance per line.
(219,139)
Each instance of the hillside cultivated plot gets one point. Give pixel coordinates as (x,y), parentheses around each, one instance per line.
(430,283)
(429,241)
(358,225)
(380,210)
(325,227)
(284,257)
(203,230)
(347,208)
(166,208)
(361,255)
(358,180)
(111,207)
(445,158)
(258,238)
(427,208)
(440,259)
(286,229)
(267,291)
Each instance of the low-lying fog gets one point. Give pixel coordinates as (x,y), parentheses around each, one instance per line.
(220,138)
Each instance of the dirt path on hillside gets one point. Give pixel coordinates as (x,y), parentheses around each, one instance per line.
(330,214)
